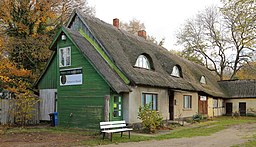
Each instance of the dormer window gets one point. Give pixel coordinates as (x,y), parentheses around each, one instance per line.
(143,62)
(176,71)
(203,80)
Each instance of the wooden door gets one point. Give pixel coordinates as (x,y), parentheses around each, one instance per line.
(229,108)
(116,108)
(171,105)
(202,105)
(242,108)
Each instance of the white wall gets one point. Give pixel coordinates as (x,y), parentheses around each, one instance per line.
(47,103)
(250,104)
(132,102)
(179,111)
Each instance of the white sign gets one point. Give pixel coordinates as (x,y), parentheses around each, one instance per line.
(203,98)
(71,77)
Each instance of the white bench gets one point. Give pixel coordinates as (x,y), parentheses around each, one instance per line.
(114,127)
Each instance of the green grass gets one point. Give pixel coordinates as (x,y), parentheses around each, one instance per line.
(206,128)
(199,129)
(251,143)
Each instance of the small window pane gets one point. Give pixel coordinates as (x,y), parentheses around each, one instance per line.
(116,113)
(202,80)
(175,71)
(116,99)
(142,62)
(64,57)
(149,100)
(154,102)
(215,103)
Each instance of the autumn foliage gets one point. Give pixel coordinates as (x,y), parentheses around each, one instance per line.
(27,28)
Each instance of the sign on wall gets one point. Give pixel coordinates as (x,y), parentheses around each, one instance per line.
(203,98)
(71,77)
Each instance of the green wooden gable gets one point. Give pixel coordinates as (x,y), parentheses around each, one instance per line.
(83,74)
(80,105)
(48,80)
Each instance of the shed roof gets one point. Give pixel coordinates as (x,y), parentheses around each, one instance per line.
(239,88)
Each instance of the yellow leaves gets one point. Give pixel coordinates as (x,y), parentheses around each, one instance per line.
(5,79)
(27,17)
(248,71)
(23,107)
(13,78)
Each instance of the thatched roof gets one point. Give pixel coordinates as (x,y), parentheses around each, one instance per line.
(124,49)
(101,66)
(239,88)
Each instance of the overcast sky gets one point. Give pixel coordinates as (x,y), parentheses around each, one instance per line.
(162,18)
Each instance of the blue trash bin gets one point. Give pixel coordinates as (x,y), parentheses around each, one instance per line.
(55,114)
(54,118)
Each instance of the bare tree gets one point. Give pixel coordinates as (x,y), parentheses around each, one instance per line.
(135,25)
(66,7)
(224,37)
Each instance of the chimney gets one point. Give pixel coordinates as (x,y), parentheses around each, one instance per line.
(116,23)
(142,33)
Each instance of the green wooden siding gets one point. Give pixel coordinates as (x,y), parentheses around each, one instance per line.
(81,105)
(49,79)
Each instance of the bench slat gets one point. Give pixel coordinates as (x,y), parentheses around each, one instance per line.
(117,130)
(112,126)
(112,122)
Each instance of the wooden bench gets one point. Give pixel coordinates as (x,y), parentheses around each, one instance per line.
(114,127)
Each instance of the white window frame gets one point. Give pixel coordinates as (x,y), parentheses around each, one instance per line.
(187,101)
(65,56)
(142,62)
(176,71)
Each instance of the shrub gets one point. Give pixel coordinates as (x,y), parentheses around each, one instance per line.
(22,108)
(151,119)
(197,117)
(251,114)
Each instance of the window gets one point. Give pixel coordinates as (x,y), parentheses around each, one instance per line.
(65,56)
(215,103)
(176,71)
(187,101)
(149,98)
(142,62)
(202,80)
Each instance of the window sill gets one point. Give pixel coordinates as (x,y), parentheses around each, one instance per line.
(187,109)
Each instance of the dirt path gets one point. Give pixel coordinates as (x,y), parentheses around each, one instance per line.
(234,135)
(40,139)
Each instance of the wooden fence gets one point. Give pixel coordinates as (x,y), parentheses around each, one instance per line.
(6,116)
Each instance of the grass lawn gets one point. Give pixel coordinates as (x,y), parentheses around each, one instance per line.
(251,143)
(93,138)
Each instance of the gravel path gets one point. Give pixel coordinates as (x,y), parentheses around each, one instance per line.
(236,134)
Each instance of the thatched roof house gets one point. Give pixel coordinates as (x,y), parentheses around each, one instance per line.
(94,61)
